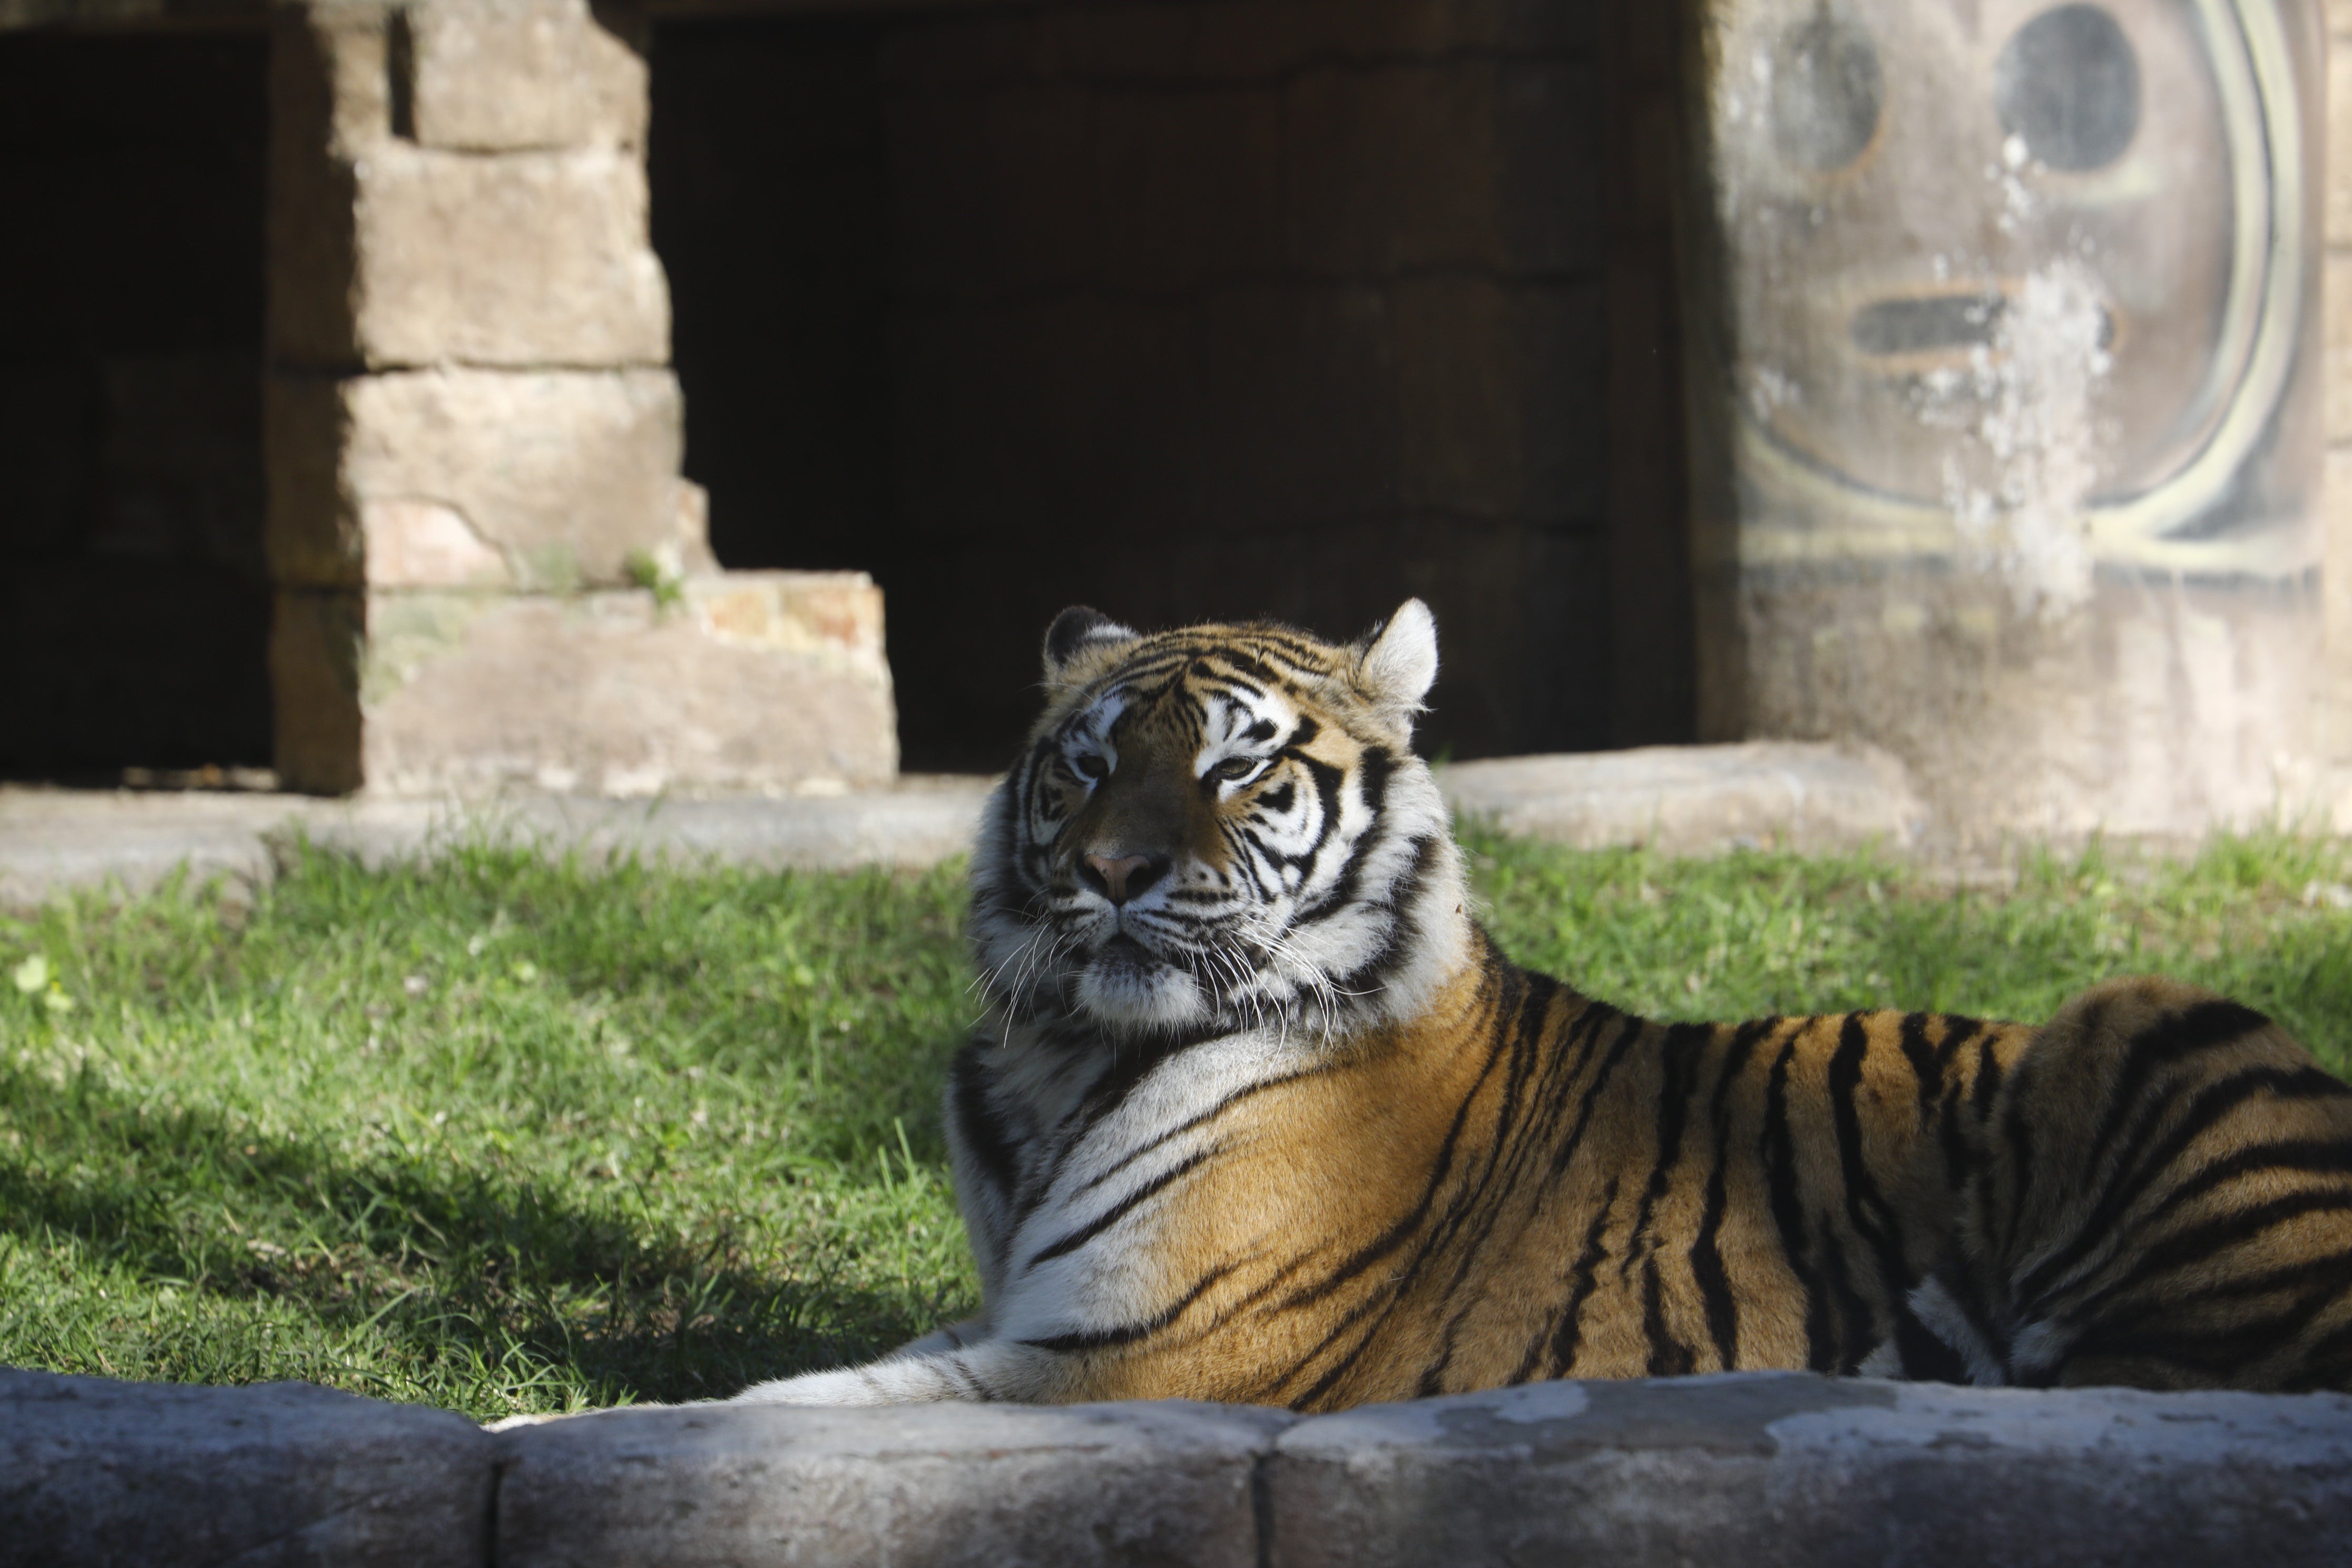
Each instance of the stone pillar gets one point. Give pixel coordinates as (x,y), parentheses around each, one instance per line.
(2337,398)
(488,568)
(2008,352)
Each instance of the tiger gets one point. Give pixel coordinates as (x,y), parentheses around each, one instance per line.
(1260,1114)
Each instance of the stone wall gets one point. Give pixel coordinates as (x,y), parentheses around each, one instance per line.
(488,569)
(134,605)
(2337,398)
(2011,430)
(1217,307)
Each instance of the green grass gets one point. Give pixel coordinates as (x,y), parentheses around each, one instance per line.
(503,1135)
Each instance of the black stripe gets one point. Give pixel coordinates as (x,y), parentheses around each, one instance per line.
(1128,1334)
(2172,1038)
(2200,1243)
(1669,1357)
(2128,1183)
(1865,1205)
(1705,1258)
(1675,1050)
(1913,1035)
(1581,1280)
(1787,1200)
(983,1135)
(1145,1149)
(1070,1241)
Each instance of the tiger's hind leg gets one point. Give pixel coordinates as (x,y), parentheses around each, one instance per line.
(2161,1197)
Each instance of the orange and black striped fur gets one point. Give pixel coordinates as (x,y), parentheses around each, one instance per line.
(1259,1114)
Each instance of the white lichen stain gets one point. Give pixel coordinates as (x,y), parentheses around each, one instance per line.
(2036,442)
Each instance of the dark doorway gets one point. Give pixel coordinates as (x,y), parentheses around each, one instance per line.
(134,605)
(1183,310)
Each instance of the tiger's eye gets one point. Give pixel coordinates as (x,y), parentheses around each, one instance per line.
(1234,768)
(1092,767)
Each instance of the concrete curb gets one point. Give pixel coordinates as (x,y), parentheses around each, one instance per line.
(99,1472)
(1763,1469)
(1681,800)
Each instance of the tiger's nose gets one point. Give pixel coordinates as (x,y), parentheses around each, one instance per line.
(1121,879)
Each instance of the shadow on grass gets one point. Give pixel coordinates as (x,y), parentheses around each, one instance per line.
(440,1267)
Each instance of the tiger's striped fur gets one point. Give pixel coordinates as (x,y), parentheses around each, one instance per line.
(1259,1114)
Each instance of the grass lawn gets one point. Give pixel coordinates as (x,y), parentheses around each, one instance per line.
(502,1136)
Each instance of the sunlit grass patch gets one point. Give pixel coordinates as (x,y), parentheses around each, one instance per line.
(504,1135)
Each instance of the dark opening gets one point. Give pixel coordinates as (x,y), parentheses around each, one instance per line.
(134,606)
(1176,311)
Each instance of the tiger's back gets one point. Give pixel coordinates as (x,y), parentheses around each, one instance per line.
(1260,1115)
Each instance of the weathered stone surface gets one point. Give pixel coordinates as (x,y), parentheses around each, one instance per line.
(1228,41)
(1683,800)
(1791,1469)
(1392,167)
(329,94)
(500,75)
(317,641)
(93,1472)
(51,839)
(2339,140)
(1750,1470)
(752,682)
(562,476)
(2336,342)
(932,1485)
(529,259)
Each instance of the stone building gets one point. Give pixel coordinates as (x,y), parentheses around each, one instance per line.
(467,392)
(444,394)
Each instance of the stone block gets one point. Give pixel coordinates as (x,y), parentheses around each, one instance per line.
(936,1485)
(1549,143)
(2336,342)
(545,480)
(1191,187)
(317,640)
(526,259)
(1500,385)
(514,74)
(93,1472)
(1689,800)
(2339,144)
(766,681)
(1392,167)
(2336,588)
(328,97)
(1762,1470)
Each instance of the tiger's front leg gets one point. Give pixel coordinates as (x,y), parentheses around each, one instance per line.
(928,1373)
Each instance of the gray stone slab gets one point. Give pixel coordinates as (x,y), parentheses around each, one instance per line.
(1793,1469)
(93,1472)
(1688,800)
(51,840)
(921,1486)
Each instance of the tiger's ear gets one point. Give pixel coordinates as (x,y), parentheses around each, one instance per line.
(1398,662)
(1079,630)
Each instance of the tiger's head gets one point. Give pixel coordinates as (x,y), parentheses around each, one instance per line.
(1221,827)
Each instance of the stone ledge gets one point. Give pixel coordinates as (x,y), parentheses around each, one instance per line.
(1678,800)
(1688,800)
(51,840)
(1761,1470)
